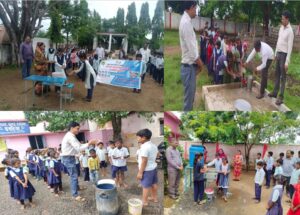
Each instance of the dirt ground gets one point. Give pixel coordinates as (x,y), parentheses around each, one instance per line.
(239,202)
(14,96)
(47,203)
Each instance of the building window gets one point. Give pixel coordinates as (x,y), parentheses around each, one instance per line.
(161,127)
(36,142)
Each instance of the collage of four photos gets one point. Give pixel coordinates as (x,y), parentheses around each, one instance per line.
(135,107)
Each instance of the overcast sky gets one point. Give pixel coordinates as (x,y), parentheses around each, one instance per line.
(108,9)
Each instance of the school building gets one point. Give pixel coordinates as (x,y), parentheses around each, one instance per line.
(15,132)
(173,122)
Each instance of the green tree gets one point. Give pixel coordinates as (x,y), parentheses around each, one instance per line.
(21,19)
(158,25)
(55,27)
(59,120)
(144,21)
(131,26)
(120,21)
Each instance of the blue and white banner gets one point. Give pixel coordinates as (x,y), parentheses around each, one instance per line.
(9,128)
(121,73)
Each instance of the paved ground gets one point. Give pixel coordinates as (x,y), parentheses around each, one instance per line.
(240,202)
(13,96)
(48,204)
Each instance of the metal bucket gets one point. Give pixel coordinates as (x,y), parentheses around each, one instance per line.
(107,200)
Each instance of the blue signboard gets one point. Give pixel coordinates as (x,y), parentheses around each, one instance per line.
(9,128)
(121,73)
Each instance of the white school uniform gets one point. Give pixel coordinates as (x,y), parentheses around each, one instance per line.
(123,152)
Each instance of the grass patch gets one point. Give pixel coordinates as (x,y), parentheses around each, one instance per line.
(171,38)
(173,98)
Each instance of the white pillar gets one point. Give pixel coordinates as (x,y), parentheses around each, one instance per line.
(109,43)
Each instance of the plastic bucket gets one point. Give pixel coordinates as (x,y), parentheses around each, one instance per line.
(135,206)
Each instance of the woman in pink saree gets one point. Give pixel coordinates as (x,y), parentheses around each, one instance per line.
(237,165)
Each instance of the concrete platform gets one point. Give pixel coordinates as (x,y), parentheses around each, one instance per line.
(221,98)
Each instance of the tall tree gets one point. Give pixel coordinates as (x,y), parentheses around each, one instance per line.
(20,19)
(55,29)
(120,20)
(131,26)
(158,25)
(144,20)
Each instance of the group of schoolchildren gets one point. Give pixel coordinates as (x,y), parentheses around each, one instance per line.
(46,165)
(97,158)
(222,56)
(41,164)
(285,173)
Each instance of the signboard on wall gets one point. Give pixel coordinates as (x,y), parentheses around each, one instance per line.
(9,128)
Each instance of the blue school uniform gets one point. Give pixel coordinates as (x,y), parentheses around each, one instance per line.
(214,62)
(10,181)
(224,179)
(203,47)
(31,165)
(42,168)
(19,192)
(54,165)
(63,168)
(47,166)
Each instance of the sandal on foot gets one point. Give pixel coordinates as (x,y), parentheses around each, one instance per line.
(79,199)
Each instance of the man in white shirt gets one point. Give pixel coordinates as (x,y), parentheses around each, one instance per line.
(119,156)
(283,52)
(147,173)
(267,56)
(190,60)
(70,147)
(145,52)
(100,52)
(102,155)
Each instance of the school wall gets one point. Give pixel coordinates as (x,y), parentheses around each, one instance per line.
(52,140)
(132,124)
(171,123)
(103,135)
(19,143)
(172,21)
(230,151)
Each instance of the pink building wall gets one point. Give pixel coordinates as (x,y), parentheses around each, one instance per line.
(51,140)
(19,143)
(103,135)
(173,123)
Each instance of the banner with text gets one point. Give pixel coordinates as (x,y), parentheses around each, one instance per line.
(121,73)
